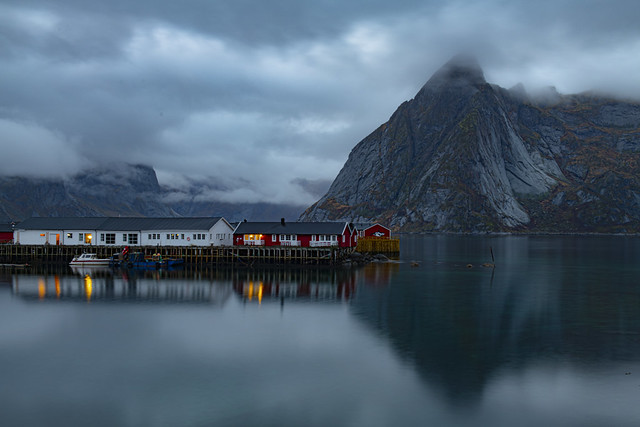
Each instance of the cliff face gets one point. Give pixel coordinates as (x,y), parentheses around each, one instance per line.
(468,156)
(125,190)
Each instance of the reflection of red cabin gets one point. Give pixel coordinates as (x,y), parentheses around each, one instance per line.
(6,233)
(373,230)
(302,234)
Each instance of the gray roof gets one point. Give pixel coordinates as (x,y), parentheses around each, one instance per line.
(365,225)
(5,227)
(291,228)
(131,224)
(118,223)
(61,223)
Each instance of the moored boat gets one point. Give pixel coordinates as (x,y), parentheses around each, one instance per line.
(89,259)
(139,260)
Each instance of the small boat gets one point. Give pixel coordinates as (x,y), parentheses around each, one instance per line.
(89,259)
(139,260)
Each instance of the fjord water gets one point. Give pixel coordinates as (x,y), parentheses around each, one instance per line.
(550,336)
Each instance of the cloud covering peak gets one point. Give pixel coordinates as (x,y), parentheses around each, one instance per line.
(260,96)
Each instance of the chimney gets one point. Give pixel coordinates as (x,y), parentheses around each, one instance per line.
(282,221)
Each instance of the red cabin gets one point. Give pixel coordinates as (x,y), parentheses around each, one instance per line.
(6,233)
(302,234)
(373,230)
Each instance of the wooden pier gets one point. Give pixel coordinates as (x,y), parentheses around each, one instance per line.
(192,255)
(378,245)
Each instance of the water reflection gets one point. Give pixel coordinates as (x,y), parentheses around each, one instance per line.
(550,336)
(105,286)
(312,285)
(463,328)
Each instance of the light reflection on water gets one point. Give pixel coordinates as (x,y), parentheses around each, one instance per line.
(551,335)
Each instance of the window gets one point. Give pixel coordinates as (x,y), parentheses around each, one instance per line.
(133,239)
(80,237)
(334,238)
(110,238)
(102,237)
(69,235)
(182,236)
(124,237)
(149,236)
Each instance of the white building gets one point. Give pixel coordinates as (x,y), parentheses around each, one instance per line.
(117,231)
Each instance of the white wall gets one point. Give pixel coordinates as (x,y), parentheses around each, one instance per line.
(221,234)
(42,237)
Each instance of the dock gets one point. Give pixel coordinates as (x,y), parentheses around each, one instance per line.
(192,255)
(379,245)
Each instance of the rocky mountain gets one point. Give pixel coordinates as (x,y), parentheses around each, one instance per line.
(468,156)
(127,190)
(120,190)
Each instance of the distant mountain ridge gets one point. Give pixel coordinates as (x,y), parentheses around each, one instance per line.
(468,156)
(123,190)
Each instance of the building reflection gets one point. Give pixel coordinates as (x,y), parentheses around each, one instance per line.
(316,285)
(254,285)
(309,284)
(104,286)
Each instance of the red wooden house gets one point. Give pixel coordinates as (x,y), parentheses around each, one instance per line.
(373,230)
(6,233)
(302,234)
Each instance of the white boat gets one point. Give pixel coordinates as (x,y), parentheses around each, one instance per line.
(89,259)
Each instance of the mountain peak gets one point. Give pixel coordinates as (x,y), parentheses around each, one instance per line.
(459,70)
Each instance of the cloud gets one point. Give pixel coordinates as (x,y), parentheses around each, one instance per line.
(258,96)
(30,150)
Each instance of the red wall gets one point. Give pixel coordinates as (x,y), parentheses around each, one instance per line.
(305,240)
(377,228)
(6,237)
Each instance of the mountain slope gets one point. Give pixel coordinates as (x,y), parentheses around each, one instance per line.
(122,190)
(467,156)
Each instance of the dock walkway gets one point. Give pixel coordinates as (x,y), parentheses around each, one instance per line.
(193,255)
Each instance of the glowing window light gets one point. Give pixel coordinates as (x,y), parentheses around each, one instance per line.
(88,286)
(57,281)
(42,289)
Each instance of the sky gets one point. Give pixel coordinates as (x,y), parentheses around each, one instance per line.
(264,100)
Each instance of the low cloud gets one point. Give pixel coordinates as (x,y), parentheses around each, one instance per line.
(33,151)
(264,98)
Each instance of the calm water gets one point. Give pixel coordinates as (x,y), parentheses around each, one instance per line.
(551,336)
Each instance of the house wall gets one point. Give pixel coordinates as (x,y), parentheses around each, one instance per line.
(219,235)
(349,240)
(53,237)
(377,228)
(6,237)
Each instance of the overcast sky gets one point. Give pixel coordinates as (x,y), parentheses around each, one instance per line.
(261,96)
